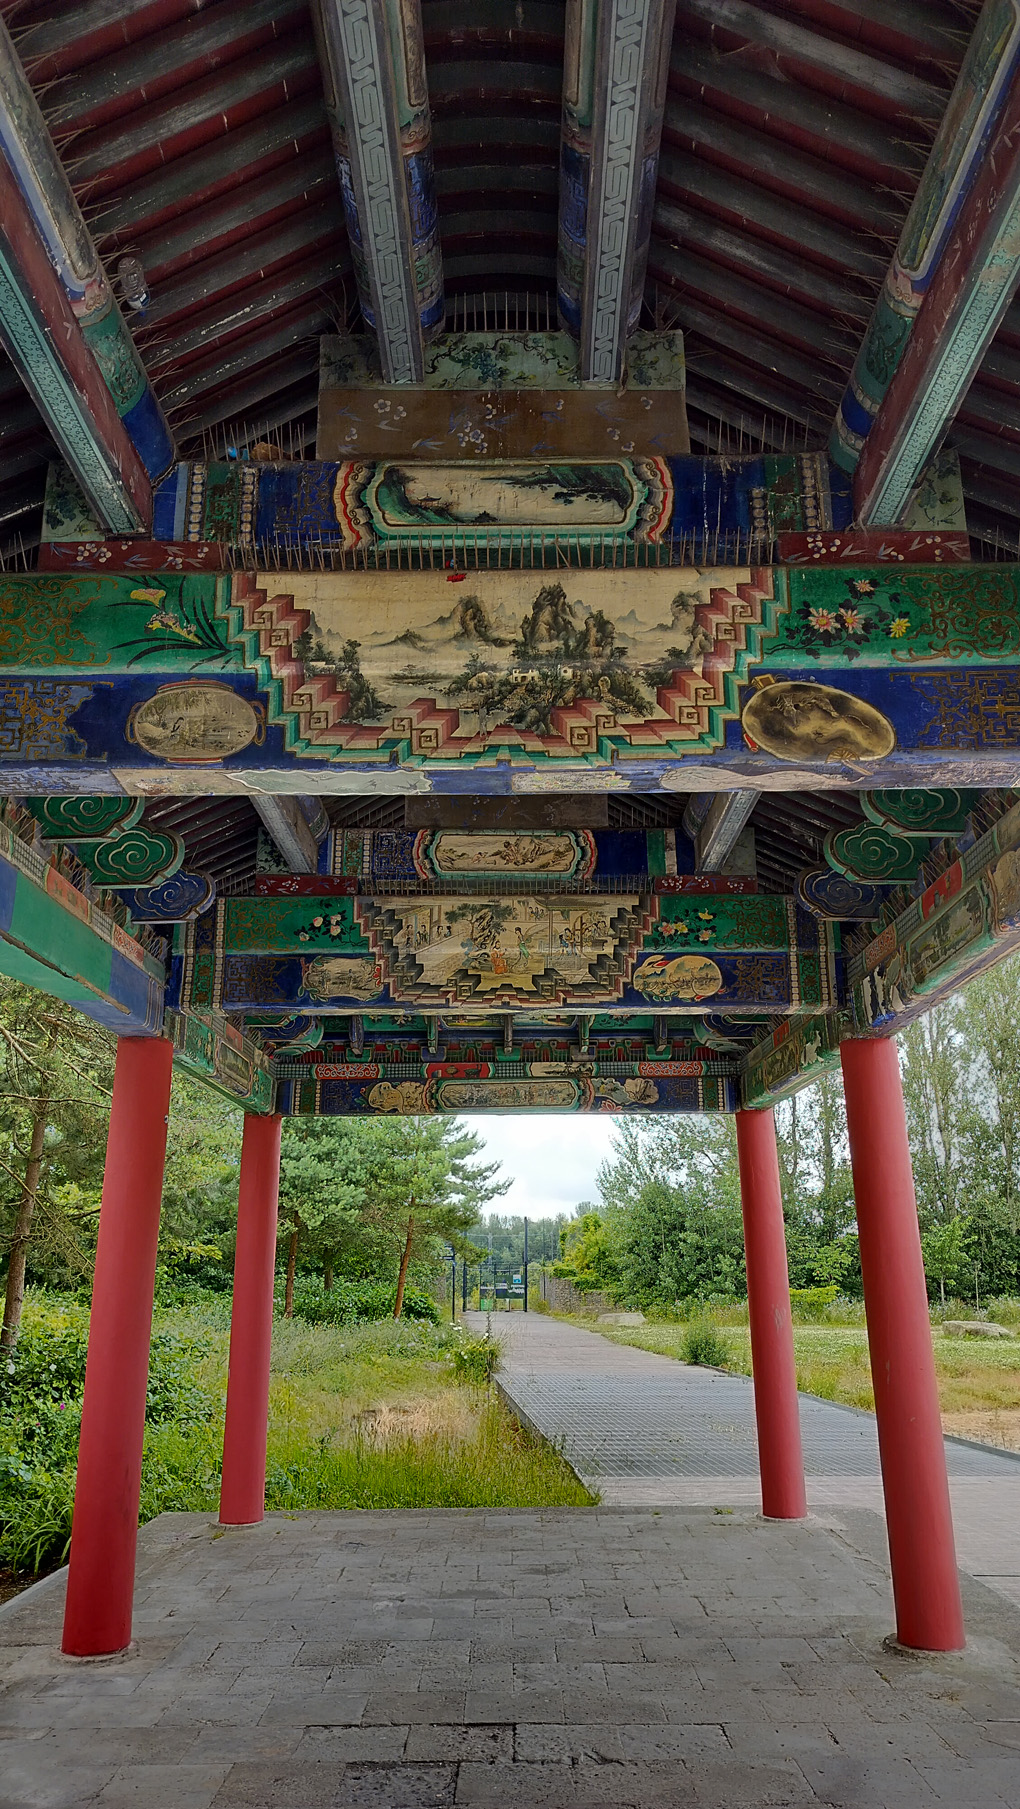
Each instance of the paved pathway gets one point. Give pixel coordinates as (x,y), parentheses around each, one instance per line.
(645,1430)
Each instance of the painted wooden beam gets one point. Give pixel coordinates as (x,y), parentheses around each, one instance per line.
(717,836)
(55,939)
(44,342)
(31,161)
(511,954)
(956,161)
(969,294)
(287,827)
(676,679)
(373,64)
(614,90)
(340,1094)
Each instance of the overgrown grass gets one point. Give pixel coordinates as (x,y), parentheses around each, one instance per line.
(389,1415)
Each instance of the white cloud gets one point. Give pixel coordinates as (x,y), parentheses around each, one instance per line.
(553,1160)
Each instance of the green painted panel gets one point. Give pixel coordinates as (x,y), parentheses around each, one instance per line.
(292,925)
(168,622)
(137,857)
(870,853)
(720,922)
(85,819)
(909,615)
(18,965)
(43,925)
(934,813)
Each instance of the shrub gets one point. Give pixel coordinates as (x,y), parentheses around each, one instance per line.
(812,1304)
(354,1302)
(41,1385)
(475,1360)
(702,1344)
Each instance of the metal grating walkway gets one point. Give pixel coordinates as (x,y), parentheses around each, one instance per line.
(616,1411)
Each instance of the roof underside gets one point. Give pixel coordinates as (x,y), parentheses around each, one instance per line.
(795,133)
(221,834)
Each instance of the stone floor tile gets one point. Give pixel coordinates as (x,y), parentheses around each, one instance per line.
(272,1786)
(569,1741)
(397,1707)
(339,1745)
(476,1742)
(402,1786)
(162,1787)
(27,1782)
(841,1779)
(549,1785)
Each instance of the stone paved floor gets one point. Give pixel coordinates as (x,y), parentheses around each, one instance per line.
(521,1660)
(688,1655)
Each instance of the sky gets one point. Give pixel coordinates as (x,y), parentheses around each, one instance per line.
(553,1159)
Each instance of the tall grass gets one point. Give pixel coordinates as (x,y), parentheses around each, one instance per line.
(389,1415)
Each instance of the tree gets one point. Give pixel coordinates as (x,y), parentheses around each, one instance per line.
(422,1186)
(934,1060)
(671,1199)
(57,1073)
(324,1176)
(943,1253)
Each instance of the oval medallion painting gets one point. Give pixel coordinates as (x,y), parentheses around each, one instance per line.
(197,722)
(671,977)
(798,720)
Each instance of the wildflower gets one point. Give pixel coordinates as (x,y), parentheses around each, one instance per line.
(706,916)
(863,587)
(851,620)
(704,935)
(317,923)
(823,619)
(899,628)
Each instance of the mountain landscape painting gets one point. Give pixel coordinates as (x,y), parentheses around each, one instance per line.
(508,646)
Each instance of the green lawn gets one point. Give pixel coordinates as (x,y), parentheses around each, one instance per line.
(974,1377)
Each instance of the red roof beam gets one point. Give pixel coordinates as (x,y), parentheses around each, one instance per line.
(89,29)
(116,156)
(99,93)
(250,152)
(208,231)
(804,179)
(249,305)
(851,141)
(250,261)
(822,63)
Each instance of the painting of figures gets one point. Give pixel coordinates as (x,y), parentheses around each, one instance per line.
(478,946)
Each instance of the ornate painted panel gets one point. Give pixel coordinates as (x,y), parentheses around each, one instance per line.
(755,954)
(370,1097)
(512,680)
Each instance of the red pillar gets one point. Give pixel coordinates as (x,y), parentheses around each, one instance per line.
(100,1584)
(243,1488)
(926,1586)
(768,1306)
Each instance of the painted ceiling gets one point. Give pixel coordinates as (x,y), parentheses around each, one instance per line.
(795,133)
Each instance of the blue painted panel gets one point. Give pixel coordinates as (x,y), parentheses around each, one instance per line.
(149,435)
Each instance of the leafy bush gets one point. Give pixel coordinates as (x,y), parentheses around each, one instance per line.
(812,1304)
(41,1386)
(354,1302)
(702,1344)
(476,1360)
